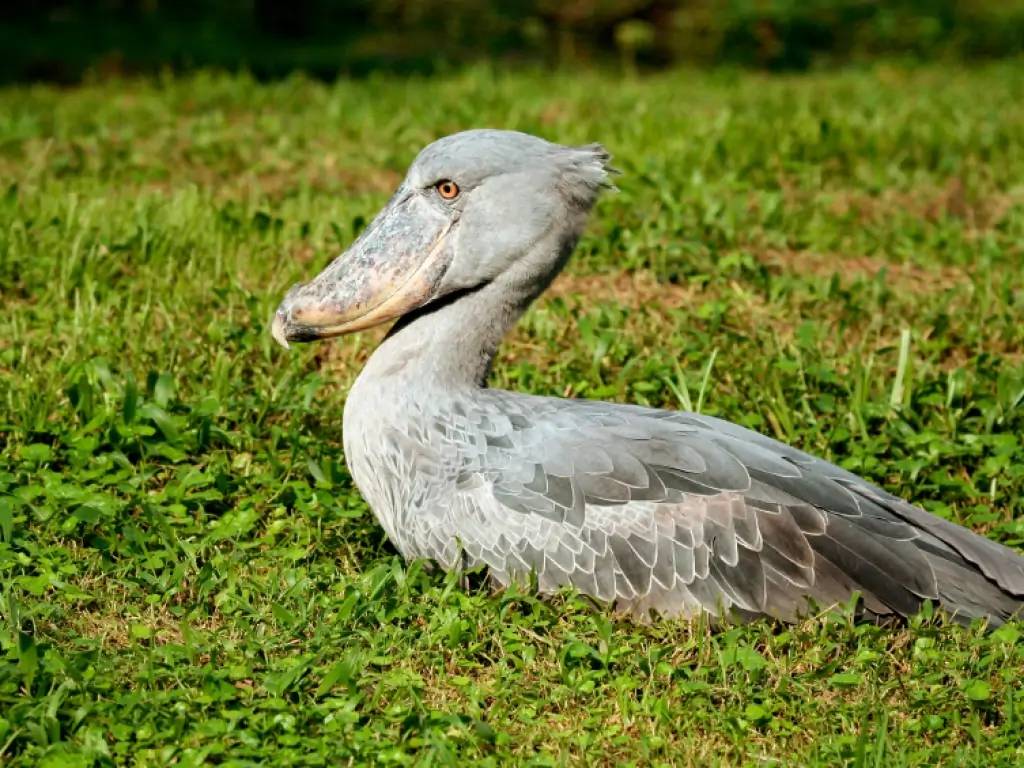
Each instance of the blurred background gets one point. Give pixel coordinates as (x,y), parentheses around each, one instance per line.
(68,40)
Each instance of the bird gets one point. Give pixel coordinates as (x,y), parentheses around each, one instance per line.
(657,514)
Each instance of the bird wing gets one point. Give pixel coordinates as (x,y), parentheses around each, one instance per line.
(680,514)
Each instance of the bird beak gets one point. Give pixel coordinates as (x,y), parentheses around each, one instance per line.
(392,268)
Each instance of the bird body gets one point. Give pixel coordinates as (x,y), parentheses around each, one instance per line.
(657,512)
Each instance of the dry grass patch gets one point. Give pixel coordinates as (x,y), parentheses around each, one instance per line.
(900,276)
(650,299)
(979,211)
(630,289)
(118,622)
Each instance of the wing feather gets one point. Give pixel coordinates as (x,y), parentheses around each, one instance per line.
(678,513)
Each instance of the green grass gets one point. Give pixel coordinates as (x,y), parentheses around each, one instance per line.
(187,574)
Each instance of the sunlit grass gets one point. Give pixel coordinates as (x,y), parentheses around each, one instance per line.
(186,572)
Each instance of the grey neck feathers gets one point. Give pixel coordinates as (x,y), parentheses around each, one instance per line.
(451,342)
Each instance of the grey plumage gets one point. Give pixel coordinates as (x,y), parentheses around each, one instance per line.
(668,512)
(655,511)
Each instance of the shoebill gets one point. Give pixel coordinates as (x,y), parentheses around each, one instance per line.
(657,512)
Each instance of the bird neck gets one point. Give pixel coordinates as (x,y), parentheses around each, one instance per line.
(451,343)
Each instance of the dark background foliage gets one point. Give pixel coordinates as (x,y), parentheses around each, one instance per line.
(64,40)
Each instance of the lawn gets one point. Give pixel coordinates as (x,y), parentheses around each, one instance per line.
(187,574)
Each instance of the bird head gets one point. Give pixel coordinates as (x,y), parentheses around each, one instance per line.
(474,207)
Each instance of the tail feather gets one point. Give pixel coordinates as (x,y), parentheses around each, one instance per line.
(966,594)
(976,577)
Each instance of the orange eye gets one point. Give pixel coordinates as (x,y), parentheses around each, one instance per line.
(447,189)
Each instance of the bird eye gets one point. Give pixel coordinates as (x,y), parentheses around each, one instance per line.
(447,189)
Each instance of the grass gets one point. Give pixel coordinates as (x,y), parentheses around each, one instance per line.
(187,575)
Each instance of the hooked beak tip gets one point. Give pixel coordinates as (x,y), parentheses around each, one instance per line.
(277,329)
